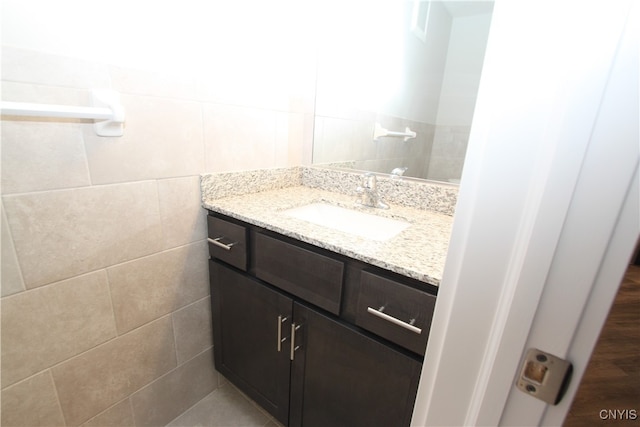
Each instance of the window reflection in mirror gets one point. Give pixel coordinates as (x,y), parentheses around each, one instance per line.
(400,64)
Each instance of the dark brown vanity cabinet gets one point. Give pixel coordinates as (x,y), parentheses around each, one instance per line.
(285,334)
(341,377)
(245,316)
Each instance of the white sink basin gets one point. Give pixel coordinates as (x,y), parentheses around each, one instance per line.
(362,224)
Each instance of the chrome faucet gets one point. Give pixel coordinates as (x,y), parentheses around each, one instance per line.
(397,173)
(368,192)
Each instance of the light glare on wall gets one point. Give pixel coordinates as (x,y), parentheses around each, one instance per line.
(361,52)
(226,39)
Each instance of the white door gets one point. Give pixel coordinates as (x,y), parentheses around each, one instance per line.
(548,212)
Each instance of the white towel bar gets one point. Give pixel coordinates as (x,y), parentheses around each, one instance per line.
(379,132)
(106,108)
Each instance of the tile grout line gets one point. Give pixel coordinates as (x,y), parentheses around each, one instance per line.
(190,304)
(106,268)
(204,138)
(5,217)
(81,187)
(175,341)
(55,391)
(55,365)
(133,414)
(163,236)
(149,384)
(195,404)
(104,411)
(113,308)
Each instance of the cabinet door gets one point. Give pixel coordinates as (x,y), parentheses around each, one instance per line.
(340,377)
(248,318)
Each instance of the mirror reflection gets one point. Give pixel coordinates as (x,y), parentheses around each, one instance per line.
(397,84)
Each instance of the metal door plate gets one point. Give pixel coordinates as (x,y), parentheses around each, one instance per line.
(544,376)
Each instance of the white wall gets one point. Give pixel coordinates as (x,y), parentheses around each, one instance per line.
(456,105)
(461,81)
(423,69)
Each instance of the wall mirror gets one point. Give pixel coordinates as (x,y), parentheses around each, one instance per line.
(397,84)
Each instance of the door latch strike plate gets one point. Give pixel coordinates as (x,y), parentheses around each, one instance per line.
(544,376)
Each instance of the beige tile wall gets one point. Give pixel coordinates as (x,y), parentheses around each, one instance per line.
(105,309)
(48,325)
(449,151)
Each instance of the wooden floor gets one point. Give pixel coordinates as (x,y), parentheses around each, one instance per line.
(612,379)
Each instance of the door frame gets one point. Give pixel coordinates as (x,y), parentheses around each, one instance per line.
(544,113)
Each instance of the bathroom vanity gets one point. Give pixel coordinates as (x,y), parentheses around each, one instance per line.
(308,321)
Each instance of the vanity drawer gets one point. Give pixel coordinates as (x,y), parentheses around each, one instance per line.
(395,311)
(228,242)
(311,276)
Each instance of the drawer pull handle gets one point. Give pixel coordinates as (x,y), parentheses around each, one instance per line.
(379,313)
(218,243)
(281,320)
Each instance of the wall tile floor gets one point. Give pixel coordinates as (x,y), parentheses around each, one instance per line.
(225,407)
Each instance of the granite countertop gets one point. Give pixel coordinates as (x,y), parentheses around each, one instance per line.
(418,252)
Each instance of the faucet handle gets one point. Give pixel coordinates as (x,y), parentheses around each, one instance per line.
(369,181)
(397,173)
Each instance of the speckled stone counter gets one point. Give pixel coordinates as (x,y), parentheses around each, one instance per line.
(259,197)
